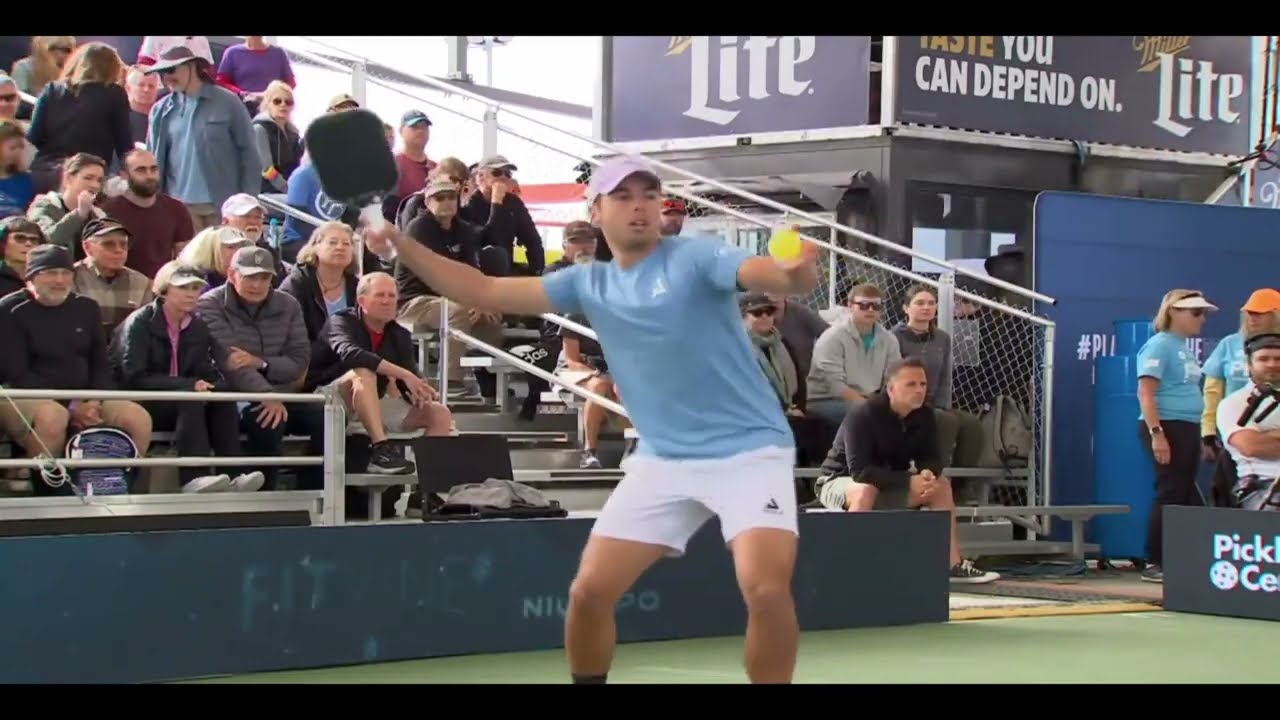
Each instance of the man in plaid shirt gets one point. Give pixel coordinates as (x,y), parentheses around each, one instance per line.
(102,276)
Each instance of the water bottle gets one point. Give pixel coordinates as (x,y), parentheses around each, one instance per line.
(275,233)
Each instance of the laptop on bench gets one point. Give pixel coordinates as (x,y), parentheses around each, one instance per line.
(446,462)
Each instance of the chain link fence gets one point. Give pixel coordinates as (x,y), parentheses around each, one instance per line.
(999,348)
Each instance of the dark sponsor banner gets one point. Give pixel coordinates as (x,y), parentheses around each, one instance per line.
(667,87)
(1189,93)
(136,607)
(1222,561)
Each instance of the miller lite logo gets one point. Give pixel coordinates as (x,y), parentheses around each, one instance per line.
(768,64)
(1189,89)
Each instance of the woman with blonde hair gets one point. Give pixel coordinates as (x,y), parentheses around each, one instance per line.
(87,111)
(210,253)
(1226,371)
(1171,403)
(49,54)
(279,140)
(324,280)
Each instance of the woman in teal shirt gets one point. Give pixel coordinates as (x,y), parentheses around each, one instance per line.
(1169,395)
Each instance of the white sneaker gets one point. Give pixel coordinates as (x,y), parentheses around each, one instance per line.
(208,484)
(248,482)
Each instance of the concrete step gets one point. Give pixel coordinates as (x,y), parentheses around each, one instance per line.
(544,458)
(492,420)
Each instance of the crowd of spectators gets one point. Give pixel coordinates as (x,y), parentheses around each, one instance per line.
(136,255)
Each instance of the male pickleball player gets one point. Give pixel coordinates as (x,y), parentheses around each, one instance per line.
(714,439)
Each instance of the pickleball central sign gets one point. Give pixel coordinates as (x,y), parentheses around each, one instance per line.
(1188,93)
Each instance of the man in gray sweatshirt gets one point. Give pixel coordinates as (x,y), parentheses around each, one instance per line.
(851,357)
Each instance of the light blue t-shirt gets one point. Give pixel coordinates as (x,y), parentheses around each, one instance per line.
(1227,362)
(676,347)
(1167,358)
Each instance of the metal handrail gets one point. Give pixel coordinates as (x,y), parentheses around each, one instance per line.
(568,324)
(746,194)
(536,371)
(679,192)
(332,459)
(163,396)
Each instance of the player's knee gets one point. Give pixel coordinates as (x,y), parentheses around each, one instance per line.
(765,594)
(590,593)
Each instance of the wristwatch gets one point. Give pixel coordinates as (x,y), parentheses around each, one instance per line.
(1155,430)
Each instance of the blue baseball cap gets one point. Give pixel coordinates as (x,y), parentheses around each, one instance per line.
(606,178)
(414,117)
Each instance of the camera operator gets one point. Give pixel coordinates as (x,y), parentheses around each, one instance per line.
(1250,427)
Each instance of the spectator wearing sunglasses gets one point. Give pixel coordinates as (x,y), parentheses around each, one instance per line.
(1169,425)
(103,276)
(202,138)
(502,213)
(249,69)
(48,54)
(87,111)
(17,189)
(278,140)
(17,236)
(10,101)
(851,357)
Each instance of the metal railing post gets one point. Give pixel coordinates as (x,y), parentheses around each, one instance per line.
(1046,442)
(335,459)
(946,303)
(443,351)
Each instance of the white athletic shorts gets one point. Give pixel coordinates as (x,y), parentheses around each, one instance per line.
(664,502)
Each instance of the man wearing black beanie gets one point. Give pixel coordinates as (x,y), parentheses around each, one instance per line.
(55,341)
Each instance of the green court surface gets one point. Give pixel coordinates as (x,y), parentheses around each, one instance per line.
(1147,647)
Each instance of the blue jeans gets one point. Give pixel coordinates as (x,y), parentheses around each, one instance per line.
(832,410)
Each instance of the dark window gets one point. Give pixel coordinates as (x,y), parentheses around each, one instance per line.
(967,224)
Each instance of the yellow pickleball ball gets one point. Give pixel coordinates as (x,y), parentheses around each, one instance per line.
(785,245)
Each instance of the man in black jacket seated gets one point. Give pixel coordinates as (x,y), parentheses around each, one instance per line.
(512,223)
(361,350)
(441,230)
(53,340)
(886,457)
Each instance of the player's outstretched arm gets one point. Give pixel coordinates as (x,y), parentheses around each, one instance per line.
(457,281)
(784,277)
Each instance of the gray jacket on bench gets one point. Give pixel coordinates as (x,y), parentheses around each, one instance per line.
(273,331)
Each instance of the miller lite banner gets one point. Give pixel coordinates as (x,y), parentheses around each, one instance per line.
(669,87)
(1187,93)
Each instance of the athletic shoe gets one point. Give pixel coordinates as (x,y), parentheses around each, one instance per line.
(386,459)
(208,484)
(966,574)
(1153,574)
(589,461)
(248,482)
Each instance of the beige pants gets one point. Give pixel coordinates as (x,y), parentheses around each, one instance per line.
(52,419)
(422,314)
(204,215)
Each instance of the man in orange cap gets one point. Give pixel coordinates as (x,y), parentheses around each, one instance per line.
(1227,370)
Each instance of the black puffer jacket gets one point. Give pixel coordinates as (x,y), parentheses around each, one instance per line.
(141,352)
(9,281)
(303,284)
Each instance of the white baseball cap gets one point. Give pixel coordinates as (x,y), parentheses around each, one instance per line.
(606,178)
(239,205)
